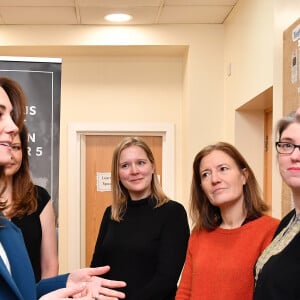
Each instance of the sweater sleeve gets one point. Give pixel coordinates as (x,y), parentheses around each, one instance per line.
(174,238)
(184,288)
(97,257)
(50,284)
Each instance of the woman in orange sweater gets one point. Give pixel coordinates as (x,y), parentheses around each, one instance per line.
(230,228)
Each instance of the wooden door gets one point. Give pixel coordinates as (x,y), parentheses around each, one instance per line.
(99,150)
(268,159)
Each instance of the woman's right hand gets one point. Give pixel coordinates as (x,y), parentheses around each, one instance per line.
(66,293)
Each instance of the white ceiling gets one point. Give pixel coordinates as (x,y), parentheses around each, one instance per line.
(92,12)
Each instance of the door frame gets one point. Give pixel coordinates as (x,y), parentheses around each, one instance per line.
(76,173)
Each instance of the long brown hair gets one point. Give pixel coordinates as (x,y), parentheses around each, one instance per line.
(23,189)
(120,193)
(17,98)
(18,101)
(206,216)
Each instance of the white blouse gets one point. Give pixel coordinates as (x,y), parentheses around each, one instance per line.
(4,258)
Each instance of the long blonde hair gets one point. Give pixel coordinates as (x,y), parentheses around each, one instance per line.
(120,193)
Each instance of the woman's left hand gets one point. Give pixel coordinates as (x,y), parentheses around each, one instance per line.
(96,287)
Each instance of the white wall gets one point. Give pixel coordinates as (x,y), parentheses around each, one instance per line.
(286,12)
(249,52)
(248,64)
(253,48)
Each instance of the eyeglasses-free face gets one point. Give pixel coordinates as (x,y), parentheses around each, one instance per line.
(285,147)
(16,157)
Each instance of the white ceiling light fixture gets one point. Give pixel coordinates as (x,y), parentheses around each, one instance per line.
(118,17)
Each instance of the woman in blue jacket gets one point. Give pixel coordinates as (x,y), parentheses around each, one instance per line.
(16,275)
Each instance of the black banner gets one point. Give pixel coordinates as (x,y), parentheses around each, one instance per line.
(40,79)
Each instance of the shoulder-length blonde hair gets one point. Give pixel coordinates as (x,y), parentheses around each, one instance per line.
(206,216)
(120,193)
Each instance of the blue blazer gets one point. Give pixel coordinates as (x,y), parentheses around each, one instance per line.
(20,284)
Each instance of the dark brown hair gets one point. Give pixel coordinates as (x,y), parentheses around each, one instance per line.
(17,99)
(18,102)
(23,189)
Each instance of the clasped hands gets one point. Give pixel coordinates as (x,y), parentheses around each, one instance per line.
(84,284)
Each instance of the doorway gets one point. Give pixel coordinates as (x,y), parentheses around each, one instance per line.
(267,186)
(77,134)
(99,151)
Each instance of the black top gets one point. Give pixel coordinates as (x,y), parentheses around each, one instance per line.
(146,249)
(31,228)
(279,277)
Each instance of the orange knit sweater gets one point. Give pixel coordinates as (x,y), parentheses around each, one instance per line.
(219,264)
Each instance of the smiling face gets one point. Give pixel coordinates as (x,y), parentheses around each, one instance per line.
(16,157)
(221,179)
(135,172)
(289,164)
(7,127)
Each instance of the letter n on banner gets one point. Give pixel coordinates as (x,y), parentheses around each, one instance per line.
(40,79)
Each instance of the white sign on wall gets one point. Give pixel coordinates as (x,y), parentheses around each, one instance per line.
(103,182)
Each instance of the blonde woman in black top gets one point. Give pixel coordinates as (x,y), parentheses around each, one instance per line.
(143,235)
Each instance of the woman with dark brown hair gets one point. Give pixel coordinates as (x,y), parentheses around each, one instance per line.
(30,207)
(230,228)
(16,274)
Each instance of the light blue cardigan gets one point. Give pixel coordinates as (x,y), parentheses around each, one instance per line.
(20,284)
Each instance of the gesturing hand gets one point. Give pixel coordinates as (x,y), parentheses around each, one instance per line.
(66,293)
(94,286)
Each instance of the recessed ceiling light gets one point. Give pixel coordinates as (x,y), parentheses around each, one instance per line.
(118,17)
